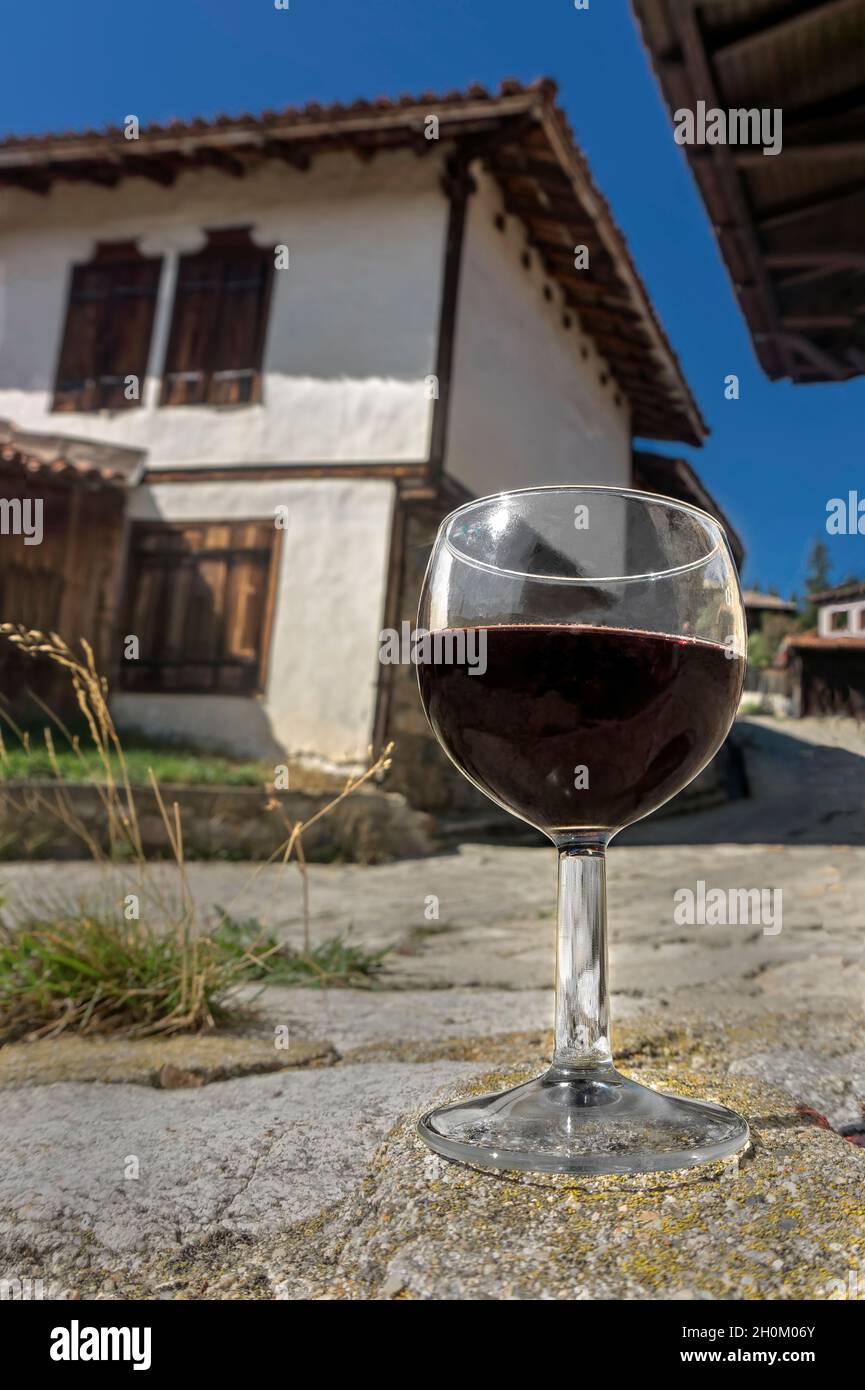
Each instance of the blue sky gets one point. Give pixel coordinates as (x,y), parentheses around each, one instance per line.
(774,457)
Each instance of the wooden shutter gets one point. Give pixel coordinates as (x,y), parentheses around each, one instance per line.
(109,321)
(219,321)
(199,600)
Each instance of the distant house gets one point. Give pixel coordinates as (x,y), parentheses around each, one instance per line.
(841,611)
(250,363)
(827,667)
(759,607)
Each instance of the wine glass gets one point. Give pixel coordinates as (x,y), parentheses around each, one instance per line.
(584,660)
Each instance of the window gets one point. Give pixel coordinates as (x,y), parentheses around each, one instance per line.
(839,619)
(109,320)
(219,321)
(199,600)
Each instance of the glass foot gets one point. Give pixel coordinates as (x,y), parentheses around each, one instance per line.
(584,1122)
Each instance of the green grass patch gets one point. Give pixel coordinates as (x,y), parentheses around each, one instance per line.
(331,964)
(171,761)
(89,974)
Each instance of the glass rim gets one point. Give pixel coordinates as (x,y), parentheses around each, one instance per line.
(671,502)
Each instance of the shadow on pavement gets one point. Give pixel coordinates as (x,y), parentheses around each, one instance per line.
(801,792)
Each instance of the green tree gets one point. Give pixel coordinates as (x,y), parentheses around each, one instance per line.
(763,644)
(759,655)
(818,577)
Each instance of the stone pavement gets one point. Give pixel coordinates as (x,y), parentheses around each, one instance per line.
(221,1167)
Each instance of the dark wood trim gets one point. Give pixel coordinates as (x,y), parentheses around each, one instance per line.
(458,184)
(283,472)
(270,603)
(450,494)
(390,618)
(71,592)
(161,523)
(446,490)
(117,629)
(263,329)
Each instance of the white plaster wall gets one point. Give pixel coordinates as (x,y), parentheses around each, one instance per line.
(320,692)
(526,406)
(855,620)
(353,320)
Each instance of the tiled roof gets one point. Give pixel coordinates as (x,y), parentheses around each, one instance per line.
(754,599)
(519,133)
(813,639)
(854,588)
(60,469)
(63,459)
(312,115)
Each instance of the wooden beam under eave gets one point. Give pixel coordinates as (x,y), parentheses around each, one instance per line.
(157,171)
(30,181)
(220,159)
(772,30)
(526,210)
(600,270)
(801,209)
(588,293)
(833,260)
(566,248)
(824,110)
(823,152)
(816,322)
(289,154)
(815,356)
(615,318)
(107,175)
(613,347)
(514,164)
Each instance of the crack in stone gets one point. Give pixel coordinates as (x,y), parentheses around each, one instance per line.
(264,1152)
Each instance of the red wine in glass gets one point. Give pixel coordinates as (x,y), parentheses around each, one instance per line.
(582,727)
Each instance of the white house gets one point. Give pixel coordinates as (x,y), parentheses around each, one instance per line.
(296,341)
(842,612)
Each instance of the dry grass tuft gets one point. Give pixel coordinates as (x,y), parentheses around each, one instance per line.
(98,973)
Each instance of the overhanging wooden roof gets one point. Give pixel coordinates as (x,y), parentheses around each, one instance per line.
(519,133)
(676,478)
(791,226)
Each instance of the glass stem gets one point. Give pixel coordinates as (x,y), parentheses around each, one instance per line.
(582,1006)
